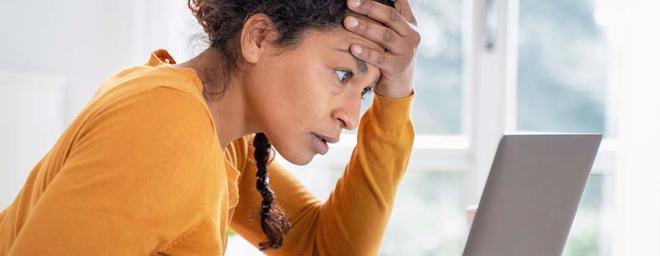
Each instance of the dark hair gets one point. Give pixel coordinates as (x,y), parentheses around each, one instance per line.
(223,22)
(274,222)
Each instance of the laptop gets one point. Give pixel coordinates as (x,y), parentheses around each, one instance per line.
(531,194)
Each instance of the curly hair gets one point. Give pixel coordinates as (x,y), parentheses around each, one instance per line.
(222,21)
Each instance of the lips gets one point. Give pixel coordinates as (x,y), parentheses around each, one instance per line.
(320,144)
(326,139)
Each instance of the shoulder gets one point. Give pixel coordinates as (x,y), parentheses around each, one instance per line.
(148,96)
(137,79)
(159,116)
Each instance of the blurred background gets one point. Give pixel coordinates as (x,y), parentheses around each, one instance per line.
(484,67)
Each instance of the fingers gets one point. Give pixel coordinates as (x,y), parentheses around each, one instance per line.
(384,36)
(392,29)
(382,13)
(405,9)
(376,57)
(395,28)
(471,212)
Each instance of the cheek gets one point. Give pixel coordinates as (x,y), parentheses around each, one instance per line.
(294,101)
(302,107)
(288,104)
(302,110)
(304,96)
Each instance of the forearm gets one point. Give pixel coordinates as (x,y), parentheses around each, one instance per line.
(353,220)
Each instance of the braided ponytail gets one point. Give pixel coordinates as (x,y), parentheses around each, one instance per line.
(274,222)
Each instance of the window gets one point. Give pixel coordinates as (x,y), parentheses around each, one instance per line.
(438,74)
(563,61)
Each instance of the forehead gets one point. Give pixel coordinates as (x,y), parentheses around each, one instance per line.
(337,41)
(340,37)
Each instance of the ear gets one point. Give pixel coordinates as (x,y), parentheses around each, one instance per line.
(258,31)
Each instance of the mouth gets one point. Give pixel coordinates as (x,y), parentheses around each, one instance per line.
(321,142)
(327,139)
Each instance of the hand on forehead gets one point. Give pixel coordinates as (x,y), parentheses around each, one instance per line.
(394,41)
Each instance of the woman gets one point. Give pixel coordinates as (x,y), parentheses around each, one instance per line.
(165,157)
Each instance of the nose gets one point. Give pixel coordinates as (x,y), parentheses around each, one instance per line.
(348,112)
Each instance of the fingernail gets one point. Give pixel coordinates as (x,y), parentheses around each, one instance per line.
(357,49)
(356,3)
(351,21)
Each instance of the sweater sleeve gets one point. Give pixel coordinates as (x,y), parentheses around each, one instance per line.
(131,183)
(353,219)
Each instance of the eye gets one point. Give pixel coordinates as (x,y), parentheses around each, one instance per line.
(365,91)
(343,75)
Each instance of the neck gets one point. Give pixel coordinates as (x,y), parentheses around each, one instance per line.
(228,110)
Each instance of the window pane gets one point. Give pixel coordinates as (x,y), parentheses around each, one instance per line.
(439,67)
(563,63)
(428,215)
(588,234)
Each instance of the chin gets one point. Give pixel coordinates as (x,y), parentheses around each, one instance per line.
(297,157)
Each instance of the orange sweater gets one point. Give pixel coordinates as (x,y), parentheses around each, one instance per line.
(140,171)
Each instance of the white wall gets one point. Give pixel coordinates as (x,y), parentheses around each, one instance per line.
(58,52)
(32,107)
(87,40)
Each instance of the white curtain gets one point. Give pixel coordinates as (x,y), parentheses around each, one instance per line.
(637,190)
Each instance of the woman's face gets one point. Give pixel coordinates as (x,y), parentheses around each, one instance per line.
(312,91)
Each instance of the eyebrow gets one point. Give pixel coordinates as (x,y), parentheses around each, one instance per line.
(362,66)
